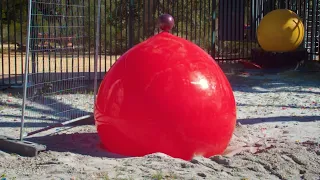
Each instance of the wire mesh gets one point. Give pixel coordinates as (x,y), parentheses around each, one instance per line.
(56,90)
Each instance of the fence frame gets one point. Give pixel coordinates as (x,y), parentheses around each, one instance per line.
(96,55)
(26,74)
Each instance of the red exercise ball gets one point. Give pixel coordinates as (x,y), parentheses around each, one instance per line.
(165,95)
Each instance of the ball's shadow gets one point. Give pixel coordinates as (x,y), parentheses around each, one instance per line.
(79,143)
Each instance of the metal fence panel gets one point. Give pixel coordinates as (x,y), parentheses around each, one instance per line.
(125,23)
(225,29)
(56,87)
(13,21)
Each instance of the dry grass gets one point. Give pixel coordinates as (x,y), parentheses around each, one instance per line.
(14,64)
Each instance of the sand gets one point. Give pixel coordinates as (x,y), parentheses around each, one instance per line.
(277,137)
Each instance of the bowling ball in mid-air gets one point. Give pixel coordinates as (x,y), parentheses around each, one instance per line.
(165,95)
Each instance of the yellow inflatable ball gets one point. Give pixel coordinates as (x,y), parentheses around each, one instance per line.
(280,30)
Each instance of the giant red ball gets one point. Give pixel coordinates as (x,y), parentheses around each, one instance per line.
(165,95)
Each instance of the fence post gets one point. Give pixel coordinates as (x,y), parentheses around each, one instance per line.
(131,14)
(25,82)
(33,36)
(1,43)
(96,55)
(213,30)
(282,4)
(314,29)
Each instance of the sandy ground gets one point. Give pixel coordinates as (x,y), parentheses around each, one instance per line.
(277,137)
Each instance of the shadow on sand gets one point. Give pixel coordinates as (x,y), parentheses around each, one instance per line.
(266,82)
(79,143)
(251,121)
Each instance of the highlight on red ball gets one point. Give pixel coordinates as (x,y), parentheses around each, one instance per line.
(165,95)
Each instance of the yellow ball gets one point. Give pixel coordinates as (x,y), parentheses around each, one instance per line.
(280,30)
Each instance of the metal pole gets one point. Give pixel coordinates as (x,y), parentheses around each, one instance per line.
(314,29)
(131,23)
(96,56)
(25,83)
(282,4)
(213,29)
